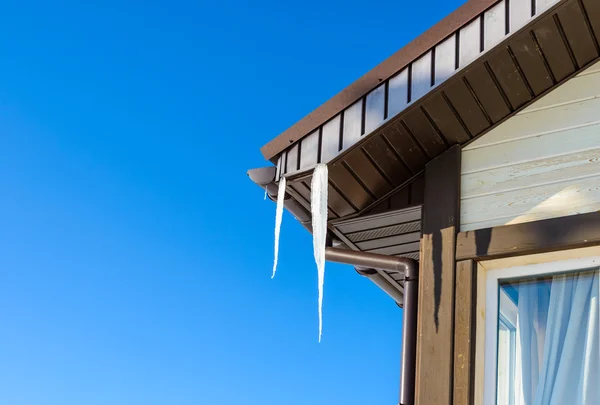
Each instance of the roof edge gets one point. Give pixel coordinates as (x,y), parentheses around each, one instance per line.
(386,69)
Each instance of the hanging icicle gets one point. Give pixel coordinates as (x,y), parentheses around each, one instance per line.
(318,203)
(278,218)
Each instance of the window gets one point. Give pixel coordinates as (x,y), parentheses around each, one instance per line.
(542,336)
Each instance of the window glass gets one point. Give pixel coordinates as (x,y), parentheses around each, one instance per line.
(548,340)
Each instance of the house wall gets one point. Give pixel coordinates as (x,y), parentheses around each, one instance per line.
(542,163)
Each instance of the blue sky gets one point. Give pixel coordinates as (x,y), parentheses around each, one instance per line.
(135,255)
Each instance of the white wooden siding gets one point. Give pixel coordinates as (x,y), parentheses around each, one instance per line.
(375,109)
(398,93)
(421,76)
(542,163)
(494,25)
(470,42)
(445,59)
(519,13)
(352,124)
(309,151)
(330,143)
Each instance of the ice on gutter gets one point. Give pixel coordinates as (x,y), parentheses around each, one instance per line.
(319,210)
(278,218)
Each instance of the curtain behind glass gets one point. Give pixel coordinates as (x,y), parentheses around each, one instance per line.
(558,341)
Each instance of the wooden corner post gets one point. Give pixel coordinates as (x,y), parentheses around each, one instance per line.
(435,330)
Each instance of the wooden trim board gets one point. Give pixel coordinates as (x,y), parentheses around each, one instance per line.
(435,325)
(548,235)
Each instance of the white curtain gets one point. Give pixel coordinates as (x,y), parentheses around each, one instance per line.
(558,341)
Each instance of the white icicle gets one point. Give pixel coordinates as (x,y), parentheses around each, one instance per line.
(318,202)
(278,218)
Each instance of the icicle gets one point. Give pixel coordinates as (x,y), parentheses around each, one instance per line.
(318,202)
(278,218)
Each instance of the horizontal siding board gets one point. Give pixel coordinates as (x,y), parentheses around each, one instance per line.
(397,93)
(540,164)
(532,204)
(375,109)
(541,123)
(539,172)
(530,149)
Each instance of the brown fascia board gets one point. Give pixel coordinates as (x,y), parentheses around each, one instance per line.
(381,72)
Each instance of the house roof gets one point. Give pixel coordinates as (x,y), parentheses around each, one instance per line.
(386,69)
(496,71)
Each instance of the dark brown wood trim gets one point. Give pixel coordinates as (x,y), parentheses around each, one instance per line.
(548,235)
(464,332)
(435,348)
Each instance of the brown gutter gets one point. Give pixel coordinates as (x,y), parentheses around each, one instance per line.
(367,264)
(373,78)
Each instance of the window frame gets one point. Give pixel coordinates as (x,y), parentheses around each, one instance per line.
(488,303)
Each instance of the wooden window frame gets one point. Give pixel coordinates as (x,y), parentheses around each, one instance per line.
(489,272)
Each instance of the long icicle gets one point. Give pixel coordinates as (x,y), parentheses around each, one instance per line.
(278,218)
(318,198)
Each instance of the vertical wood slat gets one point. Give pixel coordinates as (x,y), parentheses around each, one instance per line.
(292,160)
(421,77)
(494,25)
(375,109)
(464,331)
(352,124)
(309,151)
(330,143)
(519,13)
(445,59)
(398,93)
(435,352)
(470,42)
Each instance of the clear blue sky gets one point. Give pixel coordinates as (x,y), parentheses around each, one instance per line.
(135,255)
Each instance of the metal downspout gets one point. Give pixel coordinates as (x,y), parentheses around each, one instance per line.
(367,264)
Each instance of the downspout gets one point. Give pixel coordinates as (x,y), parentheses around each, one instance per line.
(367,264)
